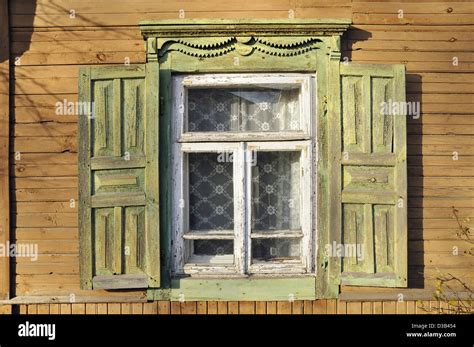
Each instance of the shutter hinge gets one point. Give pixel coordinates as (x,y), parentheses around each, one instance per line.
(162,102)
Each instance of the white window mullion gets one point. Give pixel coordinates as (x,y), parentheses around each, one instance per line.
(248,205)
(179,205)
(239,209)
(182,236)
(306,213)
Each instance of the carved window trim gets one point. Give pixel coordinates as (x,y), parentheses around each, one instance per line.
(239,46)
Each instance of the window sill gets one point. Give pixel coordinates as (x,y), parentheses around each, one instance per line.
(241,289)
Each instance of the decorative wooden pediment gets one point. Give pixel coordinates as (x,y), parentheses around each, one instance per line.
(209,47)
(212,38)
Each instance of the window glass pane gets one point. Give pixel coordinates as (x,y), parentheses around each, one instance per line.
(276,191)
(211,195)
(275,249)
(275,108)
(213,247)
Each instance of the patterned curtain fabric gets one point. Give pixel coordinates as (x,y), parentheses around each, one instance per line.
(276,191)
(249,109)
(211,193)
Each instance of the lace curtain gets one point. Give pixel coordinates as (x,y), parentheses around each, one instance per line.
(256,109)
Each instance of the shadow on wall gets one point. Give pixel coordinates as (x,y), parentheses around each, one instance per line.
(48,11)
(416,232)
(350,37)
(25,30)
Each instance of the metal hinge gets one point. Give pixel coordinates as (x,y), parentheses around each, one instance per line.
(162,103)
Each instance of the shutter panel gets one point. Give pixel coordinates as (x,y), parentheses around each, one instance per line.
(118,177)
(374,182)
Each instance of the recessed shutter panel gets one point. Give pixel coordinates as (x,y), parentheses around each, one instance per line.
(118,177)
(374,182)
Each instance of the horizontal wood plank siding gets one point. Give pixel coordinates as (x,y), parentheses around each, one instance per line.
(232,307)
(48,47)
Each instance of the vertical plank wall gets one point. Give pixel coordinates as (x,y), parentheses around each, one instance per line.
(48,45)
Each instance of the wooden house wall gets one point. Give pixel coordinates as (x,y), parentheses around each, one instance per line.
(48,45)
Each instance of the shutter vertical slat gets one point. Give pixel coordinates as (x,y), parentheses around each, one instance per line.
(84,176)
(117,120)
(400,211)
(117,241)
(152,216)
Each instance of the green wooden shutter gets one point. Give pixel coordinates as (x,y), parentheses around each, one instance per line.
(374,178)
(118,177)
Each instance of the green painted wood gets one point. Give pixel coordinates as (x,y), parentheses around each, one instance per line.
(357,231)
(134,108)
(355,69)
(117,250)
(118,177)
(243,289)
(374,174)
(372,195)
(117,162)
(104,241)
(111,72)
(375,280)
(103,126)
(118,199)
(330,189)
(134,228)
(330,283)
(235,62)
(400,212)
(121,281)
(118,119)
(84,176)
(384,234)
(353,111)
(384,159)
(152,207)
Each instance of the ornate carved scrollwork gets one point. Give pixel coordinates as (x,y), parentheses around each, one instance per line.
(206,47)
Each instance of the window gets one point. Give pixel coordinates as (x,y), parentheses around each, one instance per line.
(242,189)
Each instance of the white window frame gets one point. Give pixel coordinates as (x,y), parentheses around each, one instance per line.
(181,233)
(182,83)
(286,266)
(241,145)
